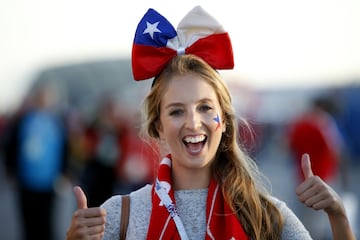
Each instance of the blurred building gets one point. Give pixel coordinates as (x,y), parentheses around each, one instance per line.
(82,85)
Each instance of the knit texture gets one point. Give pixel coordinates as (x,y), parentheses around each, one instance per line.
(191,206)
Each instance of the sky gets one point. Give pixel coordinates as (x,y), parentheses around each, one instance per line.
(278,43)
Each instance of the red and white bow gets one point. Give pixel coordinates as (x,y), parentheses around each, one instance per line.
(156,42)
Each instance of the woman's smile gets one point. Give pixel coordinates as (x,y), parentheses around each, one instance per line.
(194,144)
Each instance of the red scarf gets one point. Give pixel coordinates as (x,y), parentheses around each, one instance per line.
(165,223)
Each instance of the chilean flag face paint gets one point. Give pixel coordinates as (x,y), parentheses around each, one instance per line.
(218,121)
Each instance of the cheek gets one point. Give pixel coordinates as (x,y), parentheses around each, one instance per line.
(168,127)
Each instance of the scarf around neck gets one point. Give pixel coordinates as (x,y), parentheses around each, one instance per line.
(165,222)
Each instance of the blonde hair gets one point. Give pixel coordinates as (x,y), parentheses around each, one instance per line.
(235,171)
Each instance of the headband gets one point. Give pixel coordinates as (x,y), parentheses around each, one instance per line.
(156,42)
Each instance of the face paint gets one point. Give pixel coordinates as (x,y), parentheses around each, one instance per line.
(217,120)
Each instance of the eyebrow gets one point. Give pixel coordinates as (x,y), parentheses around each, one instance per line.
(175,104)
(179,104)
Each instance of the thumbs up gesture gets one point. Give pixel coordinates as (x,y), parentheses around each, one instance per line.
(86,223)
(315,193)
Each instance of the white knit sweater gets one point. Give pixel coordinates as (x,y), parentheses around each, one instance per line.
(191,206)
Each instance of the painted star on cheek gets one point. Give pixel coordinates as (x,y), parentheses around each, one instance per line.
(217,120)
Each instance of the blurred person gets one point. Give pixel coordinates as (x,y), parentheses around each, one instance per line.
(36,157)
(315,132)
(104,149)
(349,120)
(139,163)
(3,125)
(116,159)
(206,186)
(78,152)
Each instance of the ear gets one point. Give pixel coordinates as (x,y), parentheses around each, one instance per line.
(223,124)
(224,127)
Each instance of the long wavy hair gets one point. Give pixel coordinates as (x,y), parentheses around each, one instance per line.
(240,180)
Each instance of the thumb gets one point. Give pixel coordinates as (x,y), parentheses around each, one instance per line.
(306,166)
(80,198)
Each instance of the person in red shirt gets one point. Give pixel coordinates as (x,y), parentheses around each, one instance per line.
(316,133)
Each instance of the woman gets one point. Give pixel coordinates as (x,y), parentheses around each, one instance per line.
(207,187)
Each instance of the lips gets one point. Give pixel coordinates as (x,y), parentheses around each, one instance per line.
(194,144)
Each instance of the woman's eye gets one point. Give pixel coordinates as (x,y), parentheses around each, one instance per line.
(205,108)
(176,112)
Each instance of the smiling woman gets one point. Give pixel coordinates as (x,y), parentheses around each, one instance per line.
(185,104)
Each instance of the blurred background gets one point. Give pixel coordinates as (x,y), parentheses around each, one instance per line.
(66,64)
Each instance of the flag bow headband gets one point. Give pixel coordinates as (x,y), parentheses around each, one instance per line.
(156,42)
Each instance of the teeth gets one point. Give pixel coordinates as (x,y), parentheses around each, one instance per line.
(194,139)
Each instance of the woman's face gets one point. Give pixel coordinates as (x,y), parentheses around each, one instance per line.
(190,121)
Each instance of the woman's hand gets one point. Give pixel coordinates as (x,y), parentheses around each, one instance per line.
(316,194)
(86,223)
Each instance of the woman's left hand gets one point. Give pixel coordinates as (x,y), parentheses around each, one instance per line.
(315,193)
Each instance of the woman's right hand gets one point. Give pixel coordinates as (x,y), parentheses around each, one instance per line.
(86,223)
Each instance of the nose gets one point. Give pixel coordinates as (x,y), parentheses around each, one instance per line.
(193,120)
